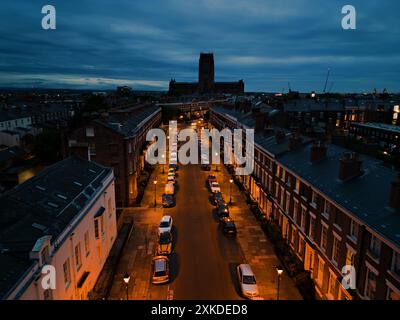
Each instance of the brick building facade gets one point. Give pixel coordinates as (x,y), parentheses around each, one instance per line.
(118,141)
(333,208)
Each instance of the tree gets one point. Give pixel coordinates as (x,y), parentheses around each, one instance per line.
(47,145)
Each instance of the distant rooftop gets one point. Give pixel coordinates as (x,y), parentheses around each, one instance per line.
(380,126)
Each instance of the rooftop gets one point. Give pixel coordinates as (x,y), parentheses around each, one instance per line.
(380,126)
(44,205)
(359,196)
(128,126)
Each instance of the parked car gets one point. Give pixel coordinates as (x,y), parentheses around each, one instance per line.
(222,211)
(171,179)
(164,245)
(217,198)
(210,179)
(169,188)
(165,224)
(247,281)
(228,226)
(174,166)
(215,187)
(168,200)
(160,270)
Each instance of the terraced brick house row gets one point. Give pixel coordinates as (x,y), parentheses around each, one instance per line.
(118,140)
(333,208)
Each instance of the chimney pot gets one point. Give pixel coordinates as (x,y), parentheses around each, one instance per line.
(318,151)
(294,141)
(349,166)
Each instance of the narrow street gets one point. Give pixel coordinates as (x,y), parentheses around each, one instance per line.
(203,262)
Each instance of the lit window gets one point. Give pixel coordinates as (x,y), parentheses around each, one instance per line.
(324,238)
(393,295)
(350,257)
(78,257)
(87,243)
(332,285)
(335,250)
(370,285)
(67,272)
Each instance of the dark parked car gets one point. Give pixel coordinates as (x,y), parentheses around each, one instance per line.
(222,211)
(217,199)
(164,246)
(174,166)
(168,200)
(228,226)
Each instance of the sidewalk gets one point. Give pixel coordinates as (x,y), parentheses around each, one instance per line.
(138,252)
(257,249)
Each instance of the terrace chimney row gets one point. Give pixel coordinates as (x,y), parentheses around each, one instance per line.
(279,136)
(350,166)
(318,151)
(295,141)
(395,193)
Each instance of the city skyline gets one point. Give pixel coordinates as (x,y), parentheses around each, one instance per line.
(268,44)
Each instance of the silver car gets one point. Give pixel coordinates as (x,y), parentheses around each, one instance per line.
(160,270)
(247,281)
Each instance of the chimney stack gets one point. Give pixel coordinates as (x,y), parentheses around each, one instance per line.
(395,193)
(350,166)
(318,151)
(294,141)
(279,136)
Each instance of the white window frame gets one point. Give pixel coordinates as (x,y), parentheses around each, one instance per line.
(89,132)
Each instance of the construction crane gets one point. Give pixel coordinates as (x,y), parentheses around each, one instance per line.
(330,87)
(326,81)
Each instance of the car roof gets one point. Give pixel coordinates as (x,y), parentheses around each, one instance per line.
(246,270)
(165,218)
(160,264)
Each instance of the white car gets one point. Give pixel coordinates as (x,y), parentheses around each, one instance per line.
(247,281)
(171,179)
(215,187)
(165,224)
(171,173)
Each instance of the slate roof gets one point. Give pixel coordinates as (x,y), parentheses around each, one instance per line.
(366,196)
(128,126)
(43,205)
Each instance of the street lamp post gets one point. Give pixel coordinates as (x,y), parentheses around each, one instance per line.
(127,277)
(279,270)
(230,191)
(216,164)
(155,193)
(162,163)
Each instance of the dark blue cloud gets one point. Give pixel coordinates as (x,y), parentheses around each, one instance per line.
(101,44)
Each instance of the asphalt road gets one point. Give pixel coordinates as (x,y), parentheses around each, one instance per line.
(204,260)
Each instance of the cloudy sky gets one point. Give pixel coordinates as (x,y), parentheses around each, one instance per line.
(268,43)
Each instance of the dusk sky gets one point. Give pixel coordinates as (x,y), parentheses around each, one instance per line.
(102,44)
